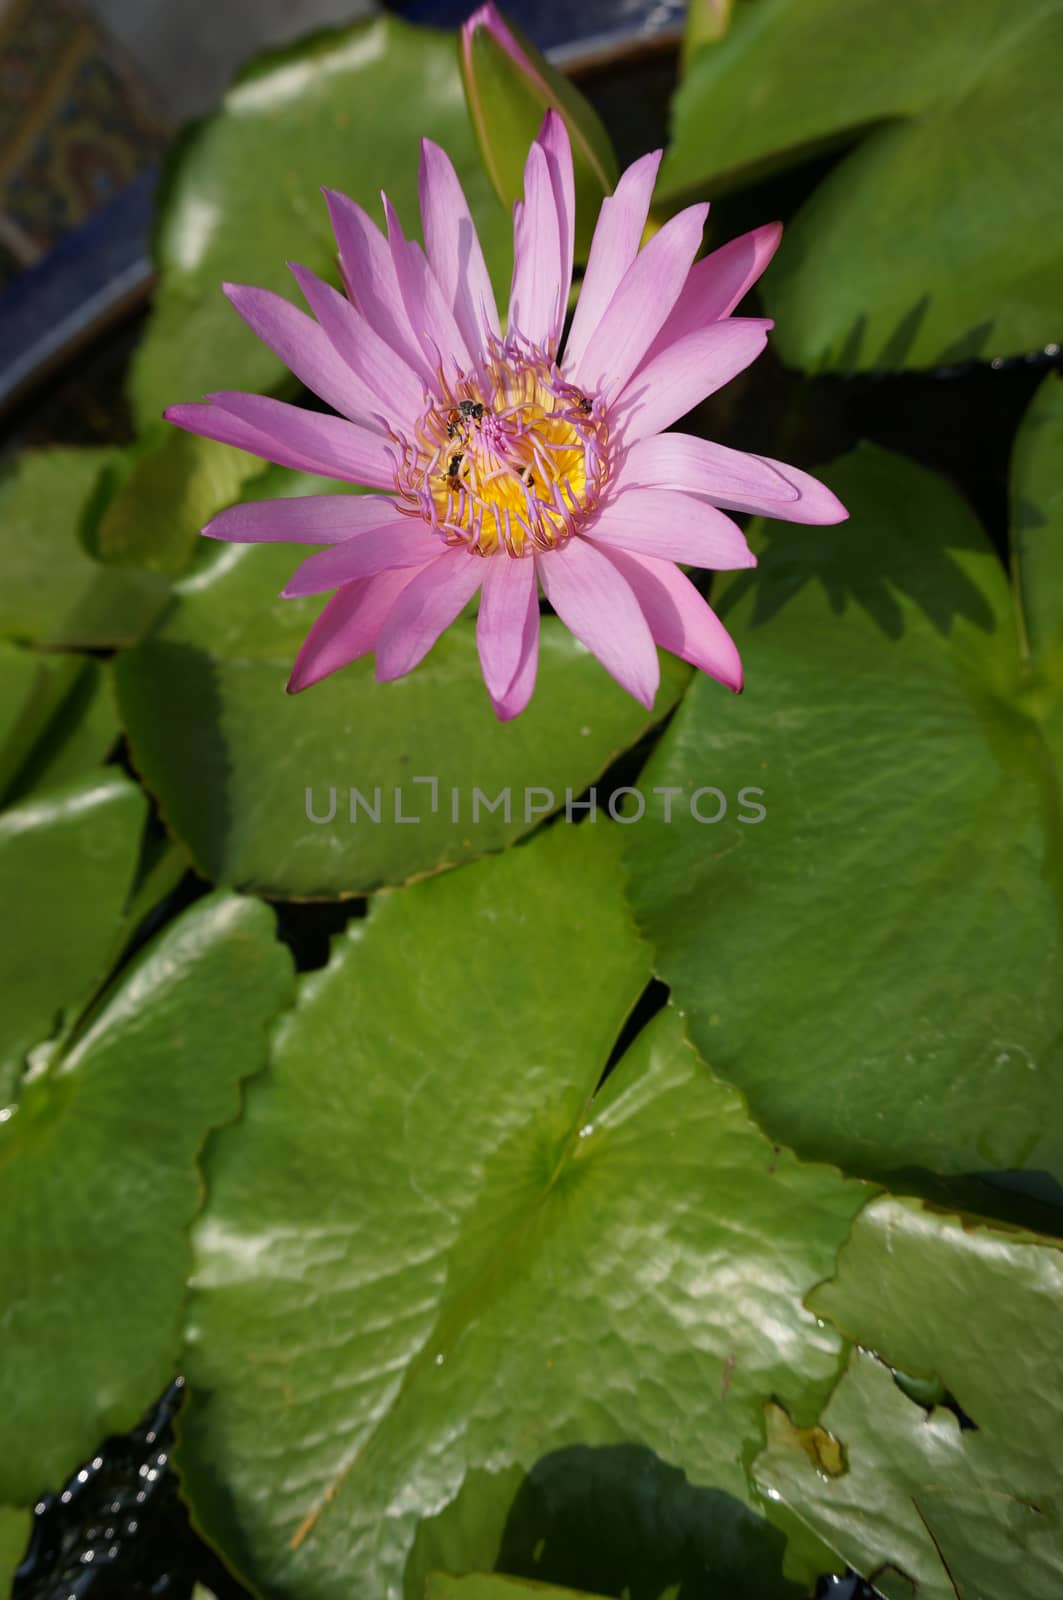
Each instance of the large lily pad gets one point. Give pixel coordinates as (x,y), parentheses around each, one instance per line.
(98,1182)
(54,593)
(67,862)
(173,483)
(939,236)
(479,1298)
(57,718)
(909,1496)
(237,764)
(243,193)
(877,961)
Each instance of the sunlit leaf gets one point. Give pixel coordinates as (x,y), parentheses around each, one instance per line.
(920,1500)
(494,1313)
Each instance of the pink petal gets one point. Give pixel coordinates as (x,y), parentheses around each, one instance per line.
(305,350)
(369,273)
(647,293)
(598,606)
(453,248)
(732,479)
(305,519)
(424,609)
(535,308)
(815,503)
(516,697)
(680,620)
(659,522)
(717,284)
(292,437)
(399,543)
(675,381)
(347,628)
(698,466)
(615,245)
(553,136)
(398,393)
(431,319)
(509,593)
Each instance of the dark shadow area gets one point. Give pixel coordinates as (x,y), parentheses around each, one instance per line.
(866,563)
(652,999)
(308,927)
(930,1394)
(619,1520)
(1029,1200)
(611,1520)
(117,1530)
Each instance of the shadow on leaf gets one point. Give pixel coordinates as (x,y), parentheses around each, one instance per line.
(608,1520)
(903,545)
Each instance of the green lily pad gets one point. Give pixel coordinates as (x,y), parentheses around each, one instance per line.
(876,962)
(54,593)
(98,1182)
(243,197)
(174,483)
(57,718)
(14,1537)
(467,1285)
(938,237)
(238,766)
(908,1496)
(1037,534)
(492,1586)
(67,862)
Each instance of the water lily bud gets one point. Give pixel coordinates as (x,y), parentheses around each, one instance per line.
(707,22)
(509,86)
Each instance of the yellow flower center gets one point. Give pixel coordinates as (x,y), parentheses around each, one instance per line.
(509,461)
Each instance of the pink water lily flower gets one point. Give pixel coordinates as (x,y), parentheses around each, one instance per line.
(506,461)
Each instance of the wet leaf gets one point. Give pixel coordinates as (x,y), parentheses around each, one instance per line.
(494,1313)
(972,1510)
